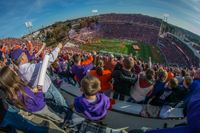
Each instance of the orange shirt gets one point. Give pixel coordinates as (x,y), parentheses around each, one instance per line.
(104,79)
(30,46)
(3,50)
(88,61)
(17,47)
(170,76)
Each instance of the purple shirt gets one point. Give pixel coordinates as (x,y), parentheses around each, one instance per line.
(81,70)
(96,110)
(33,101)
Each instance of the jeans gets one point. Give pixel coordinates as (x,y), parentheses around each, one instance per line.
(116,95)
(55,100)
(16,121)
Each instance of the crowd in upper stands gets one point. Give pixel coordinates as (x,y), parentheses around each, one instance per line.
(100,76)
(126,26)
(177,53)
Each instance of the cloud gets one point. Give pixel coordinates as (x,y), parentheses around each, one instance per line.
(94,11)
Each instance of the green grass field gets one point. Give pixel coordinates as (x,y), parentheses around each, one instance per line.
(125,47)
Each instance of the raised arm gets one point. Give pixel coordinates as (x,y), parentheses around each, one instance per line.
(54,54)
(88,61)
(40,51)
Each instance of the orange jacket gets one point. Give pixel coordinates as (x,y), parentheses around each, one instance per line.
(3,49)
(88,61)
(104,79)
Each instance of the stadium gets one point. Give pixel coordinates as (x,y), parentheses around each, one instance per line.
(109,72)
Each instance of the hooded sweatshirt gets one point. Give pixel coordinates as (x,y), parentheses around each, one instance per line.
(141,89)
(94,111)
(33,102)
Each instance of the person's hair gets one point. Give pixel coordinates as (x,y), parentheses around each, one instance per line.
(90,85)
(162,75)
(128,63)
(150,74)
(100,63)
(12,85)
(99,71)
(76,58)
(18,61)
(146,66)
(188,80)
(173,83)
(184,73)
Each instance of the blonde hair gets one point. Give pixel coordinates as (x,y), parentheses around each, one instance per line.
(162,75)
(90,85)
(128,63)
(188,80)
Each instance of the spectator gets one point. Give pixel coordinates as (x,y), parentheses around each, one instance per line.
(192,86)
(110,63)
(80,69)
(12,120)
(143,86)
(160,82)
(20,95)
(104,76)
(193,121)
(123,80)
(30,73)
(92,104)
(170,95)
(119,66)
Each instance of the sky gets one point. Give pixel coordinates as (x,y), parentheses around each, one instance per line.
(14,13)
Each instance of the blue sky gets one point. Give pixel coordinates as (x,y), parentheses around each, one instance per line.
(13,13)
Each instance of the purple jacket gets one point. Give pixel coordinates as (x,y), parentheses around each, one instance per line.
(93,111)
(33,101)
(81,71)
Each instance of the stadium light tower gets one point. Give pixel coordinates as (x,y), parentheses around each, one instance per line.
(165,17)
(95,12)
(29,26)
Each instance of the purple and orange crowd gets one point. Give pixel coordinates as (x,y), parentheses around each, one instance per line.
(104,79)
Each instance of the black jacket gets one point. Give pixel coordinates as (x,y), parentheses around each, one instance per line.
(174,96)
(2,106)
(123,80)
(2,110)
(1,56)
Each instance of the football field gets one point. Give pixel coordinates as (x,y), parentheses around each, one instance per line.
(125,47)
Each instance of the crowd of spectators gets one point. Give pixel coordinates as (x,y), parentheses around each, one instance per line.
(142,28)
(177,53)
(172,54)
(130,18)
(98,75)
